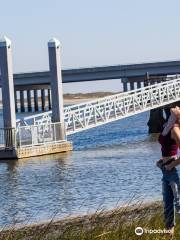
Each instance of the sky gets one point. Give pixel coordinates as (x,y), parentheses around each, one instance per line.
(92,33)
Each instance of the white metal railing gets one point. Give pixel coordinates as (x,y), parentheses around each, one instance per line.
(104,110)
(33,135)
(35,119)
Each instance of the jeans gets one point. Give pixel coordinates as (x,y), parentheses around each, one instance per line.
(171,196)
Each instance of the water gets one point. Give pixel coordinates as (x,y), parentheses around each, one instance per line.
(111,164)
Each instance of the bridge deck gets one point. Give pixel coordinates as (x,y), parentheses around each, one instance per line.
(99,73)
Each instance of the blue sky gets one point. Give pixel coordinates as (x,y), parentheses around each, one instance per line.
(92,33)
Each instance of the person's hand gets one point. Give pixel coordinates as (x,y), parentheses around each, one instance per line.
(169,167)
(176,125)
(159,163)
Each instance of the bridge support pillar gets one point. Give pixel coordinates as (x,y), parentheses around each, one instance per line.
(156,120)
(22,101)
(6,68)
(9,115)
(29,101)
(36,107)
(56,85)
(138,84)
(132,81)
(125,84)
(43,99)
(131,85)
(49,99)
(15,99)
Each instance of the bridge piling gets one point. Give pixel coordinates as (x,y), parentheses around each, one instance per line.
(15,99)
(29,103)
(49,99)
(43,99)
(125,84)
(36,105)
(56,84)
(22,101)
(132,85)
(6,68)
(8,100)
(138,84)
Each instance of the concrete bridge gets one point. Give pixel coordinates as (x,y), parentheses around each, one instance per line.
(46,133)
(35,86)
(134,72)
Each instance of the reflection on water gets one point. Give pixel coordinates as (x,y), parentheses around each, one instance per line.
(110,164)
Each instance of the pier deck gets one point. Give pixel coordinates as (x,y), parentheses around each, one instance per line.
(39,150)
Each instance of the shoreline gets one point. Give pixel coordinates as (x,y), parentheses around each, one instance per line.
(57,227)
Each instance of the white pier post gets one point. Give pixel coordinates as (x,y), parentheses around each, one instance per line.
(9,115)
(56,84)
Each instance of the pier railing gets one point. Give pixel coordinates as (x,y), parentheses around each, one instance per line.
(108,109)
(33,135)
(37,119)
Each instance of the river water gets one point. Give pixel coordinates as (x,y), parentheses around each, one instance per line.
(111,165)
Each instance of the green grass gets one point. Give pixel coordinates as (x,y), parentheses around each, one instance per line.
(112,225)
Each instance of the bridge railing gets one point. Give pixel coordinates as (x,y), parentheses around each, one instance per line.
(120,95)
(46,116)
(108,109)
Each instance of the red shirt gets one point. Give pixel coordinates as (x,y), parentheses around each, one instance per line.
(169,146)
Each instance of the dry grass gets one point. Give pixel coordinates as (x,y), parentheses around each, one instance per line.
(116,224)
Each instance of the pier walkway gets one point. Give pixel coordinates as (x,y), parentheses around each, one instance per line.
(108,109)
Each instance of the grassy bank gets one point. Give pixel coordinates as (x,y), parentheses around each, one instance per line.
(117,224)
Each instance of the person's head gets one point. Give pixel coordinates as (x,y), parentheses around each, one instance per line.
(173,118)
(176,111)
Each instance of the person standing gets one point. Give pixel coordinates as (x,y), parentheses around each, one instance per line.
(170,143)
